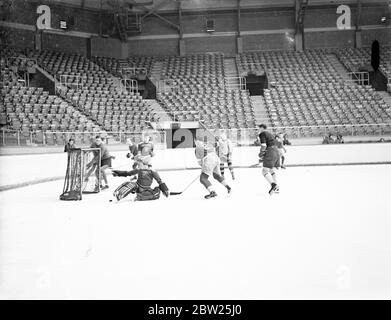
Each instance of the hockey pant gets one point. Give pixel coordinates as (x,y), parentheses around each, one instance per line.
(144,194)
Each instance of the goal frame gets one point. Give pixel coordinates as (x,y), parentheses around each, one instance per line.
(82,169)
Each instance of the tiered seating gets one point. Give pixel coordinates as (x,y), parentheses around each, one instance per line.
(289,66)
(219,108)
(115,111)
(327,105)
(354,58)
(118,67)
(199,87)
(96,92)
(31,109)
(306,91)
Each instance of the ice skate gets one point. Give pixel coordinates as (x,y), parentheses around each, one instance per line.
(212,194)
(273,189)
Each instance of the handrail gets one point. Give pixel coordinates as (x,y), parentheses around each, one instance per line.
(364,80)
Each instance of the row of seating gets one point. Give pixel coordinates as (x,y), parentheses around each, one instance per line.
(119,67)
(307,91)
(356,58)
(27,109)
(95,91)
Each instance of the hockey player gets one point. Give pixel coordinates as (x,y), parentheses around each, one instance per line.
(210,165)
(105,160)
(224,151)
(133,151)
(270,157)
(281,149)
(70,145)
(145,152)
(142,187)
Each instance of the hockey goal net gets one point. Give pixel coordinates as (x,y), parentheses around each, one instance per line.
(82,174)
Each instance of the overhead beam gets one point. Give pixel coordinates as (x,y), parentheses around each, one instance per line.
(153,12)
(156,8)
(172,24)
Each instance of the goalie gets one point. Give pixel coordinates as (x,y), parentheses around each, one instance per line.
(142,186)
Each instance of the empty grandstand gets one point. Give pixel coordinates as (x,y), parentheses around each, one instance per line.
(305,93)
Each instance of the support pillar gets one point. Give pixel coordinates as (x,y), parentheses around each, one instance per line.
(357,34)
(124,50)
(358,39)
(299,46)
(239,44)
(38,40)
(182,47)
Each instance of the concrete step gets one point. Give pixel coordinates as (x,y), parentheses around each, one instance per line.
(155,107)
(260,114)
(338,66)
(230,67)
(156,70)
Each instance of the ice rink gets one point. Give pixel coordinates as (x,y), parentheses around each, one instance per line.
(326,235)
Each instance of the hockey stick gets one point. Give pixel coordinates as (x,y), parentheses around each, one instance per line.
(256,165)
(188,186)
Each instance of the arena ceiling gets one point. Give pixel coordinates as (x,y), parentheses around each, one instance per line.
(195,5)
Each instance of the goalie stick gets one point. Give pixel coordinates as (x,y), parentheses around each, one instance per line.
(188,186)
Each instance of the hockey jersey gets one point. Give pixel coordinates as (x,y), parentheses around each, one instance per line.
(146,149)
(104,152)
(224,148)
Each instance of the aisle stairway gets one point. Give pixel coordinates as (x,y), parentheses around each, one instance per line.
(260,113)
(159,114)
(231,74)
(338,66)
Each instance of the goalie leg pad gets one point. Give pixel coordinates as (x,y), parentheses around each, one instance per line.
(124,189)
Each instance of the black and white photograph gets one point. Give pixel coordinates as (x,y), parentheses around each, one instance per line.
(195,150)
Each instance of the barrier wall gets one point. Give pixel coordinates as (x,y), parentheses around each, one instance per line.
(25,168)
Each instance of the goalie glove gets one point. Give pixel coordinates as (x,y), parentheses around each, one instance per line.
(163,188)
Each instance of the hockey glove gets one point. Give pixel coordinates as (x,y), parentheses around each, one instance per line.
(163,188)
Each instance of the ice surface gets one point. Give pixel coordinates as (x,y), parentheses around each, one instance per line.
(326,235)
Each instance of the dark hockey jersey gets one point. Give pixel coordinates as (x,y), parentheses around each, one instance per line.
(267,138)
(104,152)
